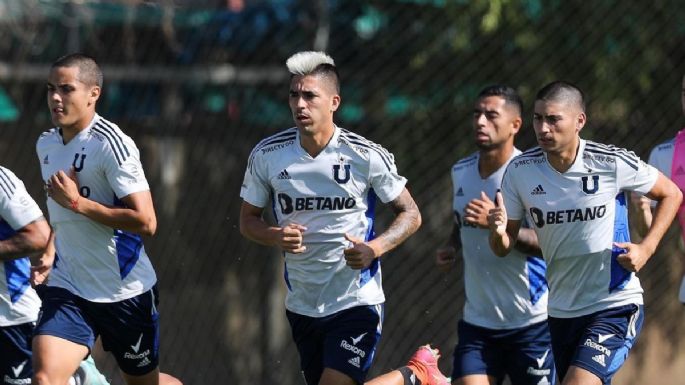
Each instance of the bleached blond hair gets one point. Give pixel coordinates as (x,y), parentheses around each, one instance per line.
(314,63)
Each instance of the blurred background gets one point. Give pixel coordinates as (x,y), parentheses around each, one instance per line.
(197,83)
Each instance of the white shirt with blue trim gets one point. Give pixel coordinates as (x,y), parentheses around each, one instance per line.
(94,261)
(19,303)
(330,194)
(577,216)
(501,293)
(661,157)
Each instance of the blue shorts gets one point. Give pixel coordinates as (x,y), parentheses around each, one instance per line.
(523,354)
(598,342)
(129,329)
(15,350)
(345,341)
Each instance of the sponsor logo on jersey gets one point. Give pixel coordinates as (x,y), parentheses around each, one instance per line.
(276,147)
(541,218)
(524,162)
(288,204)
(592,344)
(600,158)
(538,190)
(284,174)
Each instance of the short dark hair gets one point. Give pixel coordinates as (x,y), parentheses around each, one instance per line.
(89,71)
(507,93)
(561,91)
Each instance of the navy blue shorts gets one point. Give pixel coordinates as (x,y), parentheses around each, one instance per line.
(15,350)
(523,354)
(598,342)
(129,329)
(345,341)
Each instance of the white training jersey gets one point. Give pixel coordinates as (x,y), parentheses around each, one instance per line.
(94,261)
(330,194)
(501,293)
(661,157)
(19,303)
(577,216)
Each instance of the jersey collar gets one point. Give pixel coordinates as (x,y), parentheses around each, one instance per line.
(332,143)
(578,164)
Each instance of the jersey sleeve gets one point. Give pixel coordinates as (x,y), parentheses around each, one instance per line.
(123,168)
(385,180)
(17,207)
(255,189)
(455,187)
(632,174)
(512,199)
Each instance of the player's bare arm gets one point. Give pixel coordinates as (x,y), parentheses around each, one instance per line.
(137,217)
(503,232)
(30,239)
(407,220)
(41,263)
(446,256)
(668,197)
(252,226)
(527,242)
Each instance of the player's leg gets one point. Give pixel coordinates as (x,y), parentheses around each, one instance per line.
(15,350)
(129,329)
(531,360)
(422,369)
(88,374)
(63,336)
(477,358)
(308,337)
(604,345)
(167,379)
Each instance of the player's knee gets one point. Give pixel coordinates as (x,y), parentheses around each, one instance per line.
(40,377)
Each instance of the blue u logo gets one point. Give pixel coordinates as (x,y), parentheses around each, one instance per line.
(336,173)
(595,184)
(79,166)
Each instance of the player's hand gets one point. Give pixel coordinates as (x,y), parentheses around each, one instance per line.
(63,188)
(445,258)
(291,238)
(681,293)
(497,217)
(476,211)
(359,255)
(40,269)
(634,256)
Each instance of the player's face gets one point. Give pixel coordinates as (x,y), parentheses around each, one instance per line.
(71,102)
(494,122)
(313,100)
(557,125)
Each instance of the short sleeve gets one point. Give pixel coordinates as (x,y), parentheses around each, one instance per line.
(383,176)
(123,168)
(512,199)
(632,174)
(255,189)
(17,207)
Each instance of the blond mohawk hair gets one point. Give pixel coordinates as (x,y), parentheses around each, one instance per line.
(305,63)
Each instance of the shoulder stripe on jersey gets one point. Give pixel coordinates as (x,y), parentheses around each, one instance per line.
(117,155)
(351,135)
(6,184)
(380,153)
(532,152)
(467,159)
(619,155)
(599,146)
(117,137)
(274,139)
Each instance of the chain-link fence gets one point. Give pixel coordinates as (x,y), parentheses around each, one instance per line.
(198,83)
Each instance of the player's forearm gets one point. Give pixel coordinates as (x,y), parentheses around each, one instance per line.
(405,224)
(527,242)
(255,229)
(640,213)
(141,222)
(501,245)
(26,242)
(664,214)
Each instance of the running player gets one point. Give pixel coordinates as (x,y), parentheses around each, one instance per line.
(102,282)
(574,193)
(504,330)
(323,180)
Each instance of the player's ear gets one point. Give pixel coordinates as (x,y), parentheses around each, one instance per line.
(94,94)
(516,124)
(335,103)
(580,121)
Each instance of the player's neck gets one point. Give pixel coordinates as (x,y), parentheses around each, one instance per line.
(563,160)
(492,160)
(70,131)
(314,143)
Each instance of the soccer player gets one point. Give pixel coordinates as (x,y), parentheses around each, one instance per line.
(24,234)
(504,330)
(102,282)
(662,157)
(323,181)
(574,193)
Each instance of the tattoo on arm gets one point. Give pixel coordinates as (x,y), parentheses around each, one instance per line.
(407,221)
